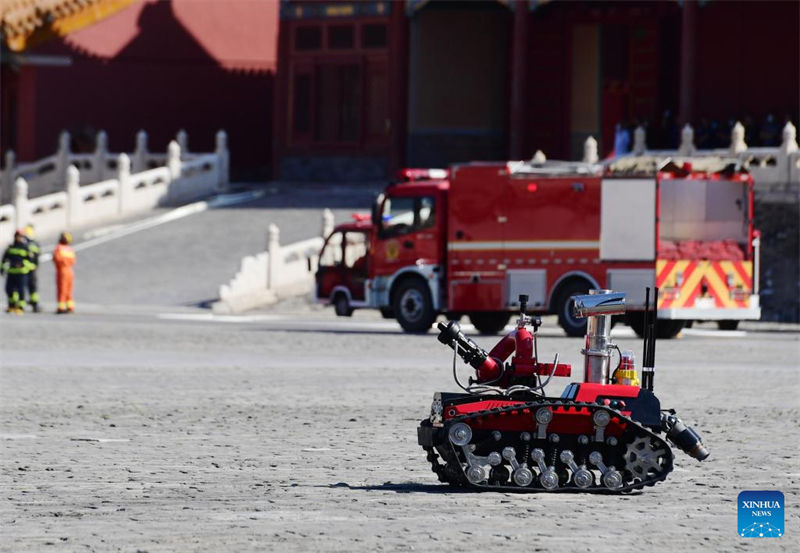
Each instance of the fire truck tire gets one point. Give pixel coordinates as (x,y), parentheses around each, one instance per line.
(489,323)
(728,325)
(413,307)
(664,329)
(387,312)
(571,324)
(341,306)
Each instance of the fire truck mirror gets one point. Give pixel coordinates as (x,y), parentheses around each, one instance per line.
(376,210)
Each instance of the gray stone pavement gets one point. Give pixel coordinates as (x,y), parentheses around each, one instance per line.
(183,262)
(296,431)
(143,423)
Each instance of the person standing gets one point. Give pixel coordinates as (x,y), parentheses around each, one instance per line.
(33,256)
(16,265)
(64,258)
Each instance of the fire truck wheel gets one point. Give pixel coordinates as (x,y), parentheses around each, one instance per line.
(664,329)
(413,306)
(571,324)
(341,306)
(635,320)
(728,325)
(489,323)
(669,329)
(387,312)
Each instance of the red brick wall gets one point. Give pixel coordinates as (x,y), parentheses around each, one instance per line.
(162,66)
(748,58)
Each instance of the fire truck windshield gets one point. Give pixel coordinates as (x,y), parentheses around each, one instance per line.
(402,215)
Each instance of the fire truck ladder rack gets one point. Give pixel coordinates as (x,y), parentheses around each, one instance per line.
(529,167)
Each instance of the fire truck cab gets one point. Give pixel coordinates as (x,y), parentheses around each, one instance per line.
(471,239)
(344,266)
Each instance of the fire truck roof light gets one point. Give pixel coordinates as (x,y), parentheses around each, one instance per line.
(411,174)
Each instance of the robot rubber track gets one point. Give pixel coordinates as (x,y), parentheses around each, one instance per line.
(530,459)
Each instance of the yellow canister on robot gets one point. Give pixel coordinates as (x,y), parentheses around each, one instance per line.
(626,373)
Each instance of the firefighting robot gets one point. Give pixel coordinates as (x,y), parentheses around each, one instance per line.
(606,434)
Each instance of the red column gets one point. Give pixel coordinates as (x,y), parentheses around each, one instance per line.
(280,95)
(398,86)
(26,115)
(519,51)
(687,81)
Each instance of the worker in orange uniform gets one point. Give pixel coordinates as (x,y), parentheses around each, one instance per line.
(64,258)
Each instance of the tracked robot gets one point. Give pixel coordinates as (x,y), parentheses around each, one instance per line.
(607,434)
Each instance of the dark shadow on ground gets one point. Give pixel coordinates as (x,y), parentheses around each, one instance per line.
(202,304)
(413,487)
(356,197)
(404,487)
(325,330)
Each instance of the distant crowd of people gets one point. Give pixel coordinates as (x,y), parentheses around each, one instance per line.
(709,133)
(20,264)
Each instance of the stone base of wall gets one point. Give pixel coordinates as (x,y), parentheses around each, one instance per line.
(778,218)
(333,168)
(440,149)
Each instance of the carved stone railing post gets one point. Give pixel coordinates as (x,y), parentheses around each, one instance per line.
(738,144)
(100,155)
(139,159)
(327,223)
(687,141)
(124,178)
(174,159)
(182,138)
(639,141)
(224,160)
(21,212)
(789,135)
(73,195)
(273,255)
(62,158)
(590,150)
(787,156)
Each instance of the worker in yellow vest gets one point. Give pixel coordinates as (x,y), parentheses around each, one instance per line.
(16,265)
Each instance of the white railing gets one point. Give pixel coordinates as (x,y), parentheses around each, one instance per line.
(179,181)
(279,272)
(7,222)
(49,174)
(774,169)
(201,172)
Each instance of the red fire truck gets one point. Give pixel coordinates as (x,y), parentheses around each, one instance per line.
(471,239)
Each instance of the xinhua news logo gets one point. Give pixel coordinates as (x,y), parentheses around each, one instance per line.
(761,514)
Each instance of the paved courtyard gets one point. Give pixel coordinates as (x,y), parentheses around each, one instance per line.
(291,430)
(144,423)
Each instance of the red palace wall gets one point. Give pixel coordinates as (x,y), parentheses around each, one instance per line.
(160,66)
(747,60)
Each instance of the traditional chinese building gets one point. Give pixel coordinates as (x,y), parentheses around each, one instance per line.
(366,87)
(160,66)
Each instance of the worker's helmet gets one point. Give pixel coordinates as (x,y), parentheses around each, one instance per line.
(29,232)
(65,238)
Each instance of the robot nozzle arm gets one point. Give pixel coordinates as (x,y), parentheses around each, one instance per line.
(684,436)
(450,334)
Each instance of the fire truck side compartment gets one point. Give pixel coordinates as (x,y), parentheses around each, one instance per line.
(627,221)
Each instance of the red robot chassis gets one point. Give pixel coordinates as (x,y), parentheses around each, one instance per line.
(602,435)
